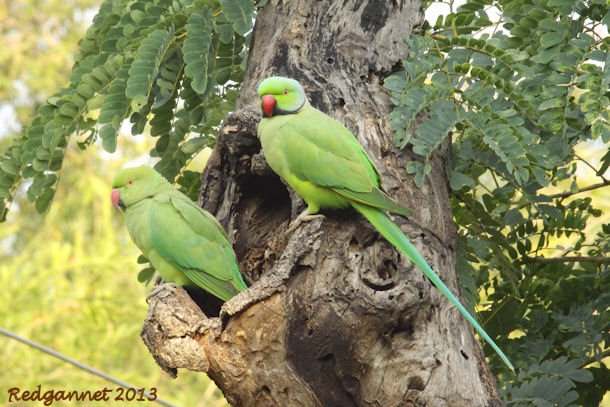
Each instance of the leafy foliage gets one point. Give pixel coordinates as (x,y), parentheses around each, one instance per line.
(172,65)
(518,94)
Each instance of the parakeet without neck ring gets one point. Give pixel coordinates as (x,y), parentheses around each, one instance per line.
(184,243)
(326,165)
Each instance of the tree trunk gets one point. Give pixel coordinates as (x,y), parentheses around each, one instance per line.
(335,315)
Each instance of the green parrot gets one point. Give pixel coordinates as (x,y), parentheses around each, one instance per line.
(185,244)
(324,163)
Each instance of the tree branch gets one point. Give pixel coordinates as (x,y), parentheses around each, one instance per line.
(566,259)
(567,194)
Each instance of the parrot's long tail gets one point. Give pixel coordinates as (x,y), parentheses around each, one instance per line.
(388,229)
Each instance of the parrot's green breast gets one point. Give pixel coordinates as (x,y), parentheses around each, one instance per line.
(138,224)
(279,142)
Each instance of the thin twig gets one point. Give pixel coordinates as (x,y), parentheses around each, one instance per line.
(80,365)
(588,164)
(594,359)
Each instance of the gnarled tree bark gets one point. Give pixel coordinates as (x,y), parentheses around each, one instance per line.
(335,315)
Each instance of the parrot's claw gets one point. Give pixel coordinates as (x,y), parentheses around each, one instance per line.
(161,287)
(303,217)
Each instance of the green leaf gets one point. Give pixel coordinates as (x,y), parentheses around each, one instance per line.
(459,180)
(168,81)
(551,104)
(513,217)
(145,66)
(197,49)
(163,117)
(44,200)
(606,20)
(420,170)
(10,166)
(601,128)
(195,145)
(240,13)
(146,275)
(114,110)
(550,39)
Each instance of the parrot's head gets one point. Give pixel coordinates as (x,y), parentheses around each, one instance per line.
(281,96)
(131,185)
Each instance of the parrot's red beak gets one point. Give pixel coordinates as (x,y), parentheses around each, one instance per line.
(116,199)
(268,104)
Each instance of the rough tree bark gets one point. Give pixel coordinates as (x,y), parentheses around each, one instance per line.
(335,316)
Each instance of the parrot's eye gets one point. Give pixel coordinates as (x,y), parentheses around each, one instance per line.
(285,91)
(130,182)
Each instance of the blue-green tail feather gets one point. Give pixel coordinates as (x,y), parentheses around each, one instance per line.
(388,229)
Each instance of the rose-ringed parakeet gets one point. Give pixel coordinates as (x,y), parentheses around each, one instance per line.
(324,163)
(184,243)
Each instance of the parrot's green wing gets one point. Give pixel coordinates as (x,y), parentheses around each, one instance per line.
(194,242)
(188,209)
(376,198)
(320,150)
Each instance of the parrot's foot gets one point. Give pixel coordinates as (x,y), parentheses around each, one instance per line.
(161,287)
(303,217)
